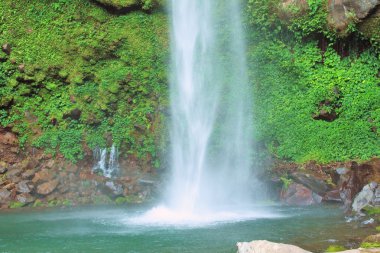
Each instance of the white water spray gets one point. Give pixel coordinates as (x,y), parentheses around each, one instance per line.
(211,133)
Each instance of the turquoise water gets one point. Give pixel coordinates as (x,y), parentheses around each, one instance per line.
(109,229)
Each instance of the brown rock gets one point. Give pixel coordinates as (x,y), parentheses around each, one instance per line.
(21,68)
(373,239)
(333,195)
(6,48)
(48,187)
(14,173)
(25,198)
(298,195)
(43,176)
(28,174)
(9,186)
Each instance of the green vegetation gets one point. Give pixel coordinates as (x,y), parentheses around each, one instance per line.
(317,96)
(370,245)
(16,204)
(335,248)
(78,76)
(74,77)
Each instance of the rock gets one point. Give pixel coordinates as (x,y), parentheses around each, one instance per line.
(267,247)
(25,198)
(6,48)
(119,4)
(114,189)
(43,176)
(376,200)
(342,171)
(21,68)
(3,169)
(298,195)
(333,195)
(373,239)
(73,114)
(344,12)
(14,173)
(48,187)
(4,195)
(24,186)
(316,185)
(28,174)
(364,198)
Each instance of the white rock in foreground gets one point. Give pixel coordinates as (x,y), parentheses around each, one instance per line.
(267,247)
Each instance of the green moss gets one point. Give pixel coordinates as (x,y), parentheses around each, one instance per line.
(79,56)
(335,248)
(370,245)
(16,204)
(127,199)
(372,210)
(38,203)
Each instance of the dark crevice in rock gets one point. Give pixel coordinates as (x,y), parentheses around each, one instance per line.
(117,11)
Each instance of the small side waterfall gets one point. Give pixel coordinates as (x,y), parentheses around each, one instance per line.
(106,161)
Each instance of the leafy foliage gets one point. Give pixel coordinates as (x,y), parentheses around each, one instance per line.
(79,59)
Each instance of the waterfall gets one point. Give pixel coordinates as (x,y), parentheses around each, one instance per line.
(211,118)
(106,162)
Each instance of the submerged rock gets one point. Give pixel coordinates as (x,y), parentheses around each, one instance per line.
(263,246)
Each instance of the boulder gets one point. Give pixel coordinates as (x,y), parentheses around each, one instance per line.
(365,197)
(376,200)
(333,195)
(316,185)
(28,174)
(372,239)
(24,186)
(14,173)
(4,195)
(43,176)
(48,187)
(3,168)
(6,48)
(344,12)
(113,188)
(263,246)
(25,198)
(298,195)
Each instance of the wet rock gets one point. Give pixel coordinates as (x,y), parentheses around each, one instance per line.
(28,174)
(4,195)
(342,171)
(24,186)
(333,195)
(47,188)
(365,197)
(25,198)
(114,188)
(316,185)
(299,195)
(263,246)
(376,200)
(6,48)
(43,176)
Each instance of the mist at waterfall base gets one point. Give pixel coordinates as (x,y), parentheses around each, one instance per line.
(211,179)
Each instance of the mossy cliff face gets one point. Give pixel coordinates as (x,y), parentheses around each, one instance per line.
(317,90)
(74,76)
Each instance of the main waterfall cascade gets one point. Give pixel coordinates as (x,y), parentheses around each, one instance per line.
(211,116)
